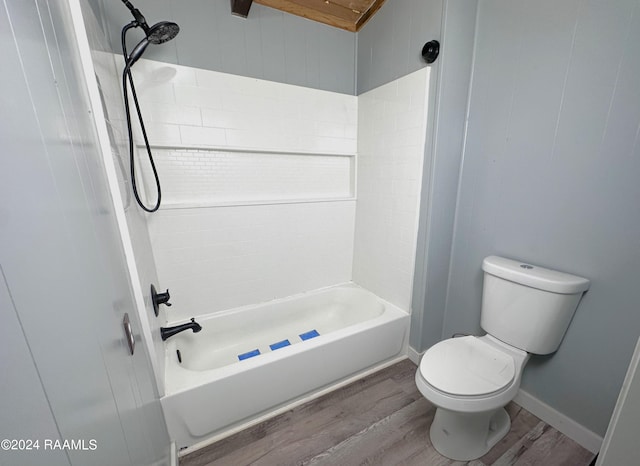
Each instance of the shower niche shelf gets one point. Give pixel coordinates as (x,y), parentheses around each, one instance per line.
(217,176)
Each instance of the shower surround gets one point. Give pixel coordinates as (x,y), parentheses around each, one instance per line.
(258,184)
(272,190)
(232,233)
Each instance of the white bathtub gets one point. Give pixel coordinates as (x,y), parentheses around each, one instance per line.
(212,391)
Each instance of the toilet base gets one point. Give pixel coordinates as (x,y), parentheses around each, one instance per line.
(468,436)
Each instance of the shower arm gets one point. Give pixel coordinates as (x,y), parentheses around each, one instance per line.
(139,17)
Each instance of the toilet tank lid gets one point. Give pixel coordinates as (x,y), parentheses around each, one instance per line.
(534,276)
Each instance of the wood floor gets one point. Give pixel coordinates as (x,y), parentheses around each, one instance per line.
(379,420)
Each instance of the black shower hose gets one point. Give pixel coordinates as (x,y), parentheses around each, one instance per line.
(126,76)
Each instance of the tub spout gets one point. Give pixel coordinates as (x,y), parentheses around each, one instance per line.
(166,332)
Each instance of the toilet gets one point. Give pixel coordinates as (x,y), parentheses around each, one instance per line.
(526,310)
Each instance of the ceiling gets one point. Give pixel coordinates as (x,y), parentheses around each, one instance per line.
(350,15)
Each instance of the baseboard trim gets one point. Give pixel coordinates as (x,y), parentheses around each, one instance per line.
(414,356)
(580,434)
(174,454)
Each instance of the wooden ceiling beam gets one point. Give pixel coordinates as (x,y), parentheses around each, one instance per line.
(317,10)
(241,7)
(367,15)
(357,5)
(350,15)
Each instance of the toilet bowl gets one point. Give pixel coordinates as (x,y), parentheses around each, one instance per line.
(526,310)
(470,379)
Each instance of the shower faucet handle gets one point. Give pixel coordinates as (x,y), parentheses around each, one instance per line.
(163,298)
(159,298)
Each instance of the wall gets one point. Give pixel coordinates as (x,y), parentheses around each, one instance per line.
(134,234)
(390,44)
(220,244)
(269,44)
(550,176)
(452,77)
(392,121)
(21,386)
(620,445)
(63,281)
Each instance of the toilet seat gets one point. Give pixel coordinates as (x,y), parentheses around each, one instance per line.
(467,366)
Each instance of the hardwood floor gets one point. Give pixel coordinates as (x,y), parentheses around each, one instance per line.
(379,420)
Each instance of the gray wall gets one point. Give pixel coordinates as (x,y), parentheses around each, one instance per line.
(21,387)
(269,44)
(66,371)
(550,176)
(451,76)
(280,47)
(390,44)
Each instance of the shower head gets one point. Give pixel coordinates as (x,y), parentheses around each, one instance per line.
(161,32)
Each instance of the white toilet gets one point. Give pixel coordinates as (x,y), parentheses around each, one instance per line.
(525,309)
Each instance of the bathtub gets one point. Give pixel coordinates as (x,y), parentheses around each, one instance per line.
(319,338)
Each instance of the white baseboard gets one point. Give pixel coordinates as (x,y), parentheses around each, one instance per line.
(580,434)
(414,356)
(174,454)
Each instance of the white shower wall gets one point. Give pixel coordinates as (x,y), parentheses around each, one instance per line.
(219,258)
(392,126)
(222,249)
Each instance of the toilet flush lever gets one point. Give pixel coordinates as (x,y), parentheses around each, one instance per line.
(159,298)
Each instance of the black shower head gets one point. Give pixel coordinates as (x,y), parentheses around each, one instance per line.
(162,32)
(159,33)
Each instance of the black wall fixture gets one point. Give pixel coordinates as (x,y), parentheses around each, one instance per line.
(241,7)
(430,51)
(159,298)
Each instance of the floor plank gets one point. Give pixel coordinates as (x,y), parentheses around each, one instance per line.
(383,442)
(381,419)
(522,421)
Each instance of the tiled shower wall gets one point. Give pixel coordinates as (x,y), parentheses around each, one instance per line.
(288,224)
(253,240)
(218,258)
(392,125)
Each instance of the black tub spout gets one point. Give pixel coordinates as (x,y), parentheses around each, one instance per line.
(166,332)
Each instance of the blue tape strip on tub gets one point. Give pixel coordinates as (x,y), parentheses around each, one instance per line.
(249,354)
(310,334)
(280,344)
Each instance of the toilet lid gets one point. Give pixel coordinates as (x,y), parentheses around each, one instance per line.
(467,366)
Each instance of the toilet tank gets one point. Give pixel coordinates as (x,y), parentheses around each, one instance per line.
(527,306)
